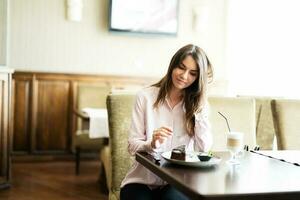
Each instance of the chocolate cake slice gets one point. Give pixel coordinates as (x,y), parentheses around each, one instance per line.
(178,153)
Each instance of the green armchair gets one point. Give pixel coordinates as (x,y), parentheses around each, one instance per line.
(115,157)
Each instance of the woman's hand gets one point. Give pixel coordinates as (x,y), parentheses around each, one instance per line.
(160,135)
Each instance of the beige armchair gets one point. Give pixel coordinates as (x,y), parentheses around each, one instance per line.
(240,113)
(116,158)
(93,96)
(286,116)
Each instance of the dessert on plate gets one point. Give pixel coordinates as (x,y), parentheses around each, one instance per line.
(179,153)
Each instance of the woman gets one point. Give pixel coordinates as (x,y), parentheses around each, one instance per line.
(168,114)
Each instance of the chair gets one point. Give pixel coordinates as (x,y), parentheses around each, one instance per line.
(116,158)
(286,116)
(93,96)
(240,113)
(265,131)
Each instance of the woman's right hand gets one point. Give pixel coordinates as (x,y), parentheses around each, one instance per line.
(160,135)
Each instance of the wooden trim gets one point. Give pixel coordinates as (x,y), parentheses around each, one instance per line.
(50,157)
(74,86)
(70,117)
(34,110)
(84,77)
(12,110)
(5,135)
(9,123)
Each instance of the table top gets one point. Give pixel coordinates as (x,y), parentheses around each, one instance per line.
(257,177)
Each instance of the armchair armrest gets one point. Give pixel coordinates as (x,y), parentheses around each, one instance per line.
(81,114)
(82,120)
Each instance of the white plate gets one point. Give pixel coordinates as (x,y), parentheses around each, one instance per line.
(191,160)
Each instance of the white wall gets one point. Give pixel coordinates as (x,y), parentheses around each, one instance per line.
(253,44)
(263,47)
(41,39)
(3,18)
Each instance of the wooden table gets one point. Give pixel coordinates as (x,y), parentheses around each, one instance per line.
(257,177)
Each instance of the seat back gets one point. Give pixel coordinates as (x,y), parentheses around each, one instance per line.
(240,113)
(286,116)
(119,108)
(92,95)
(265,131)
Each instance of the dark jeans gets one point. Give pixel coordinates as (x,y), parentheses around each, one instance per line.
(136,191)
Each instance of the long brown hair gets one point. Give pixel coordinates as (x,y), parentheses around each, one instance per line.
(194,96)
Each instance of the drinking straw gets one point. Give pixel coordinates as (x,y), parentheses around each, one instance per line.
(226,120)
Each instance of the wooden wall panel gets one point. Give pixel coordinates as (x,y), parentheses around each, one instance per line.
(52,112)
(21,139)
(43,108)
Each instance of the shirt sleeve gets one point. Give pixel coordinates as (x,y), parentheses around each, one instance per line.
(138,140)
(203,136)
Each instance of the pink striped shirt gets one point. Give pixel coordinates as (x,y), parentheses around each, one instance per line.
(146,119)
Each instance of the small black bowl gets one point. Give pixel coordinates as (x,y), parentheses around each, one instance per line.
(204,157)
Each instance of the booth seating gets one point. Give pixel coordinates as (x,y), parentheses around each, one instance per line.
(286,115)
(240,113)
(115,157)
